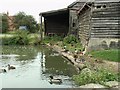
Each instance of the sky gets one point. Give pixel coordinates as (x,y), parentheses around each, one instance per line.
(32,7)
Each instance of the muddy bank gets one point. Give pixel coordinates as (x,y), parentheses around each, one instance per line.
(83,61)
(70,56)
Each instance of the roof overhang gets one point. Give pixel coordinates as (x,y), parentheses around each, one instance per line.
(78,1)
(86,5)
(54,12)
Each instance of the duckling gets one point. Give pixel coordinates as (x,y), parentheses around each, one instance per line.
(3,70)
(56,81)
(10,67)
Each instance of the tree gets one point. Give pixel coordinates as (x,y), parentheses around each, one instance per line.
(21,19)
(4,23)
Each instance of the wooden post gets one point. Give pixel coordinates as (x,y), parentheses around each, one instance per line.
(41,29)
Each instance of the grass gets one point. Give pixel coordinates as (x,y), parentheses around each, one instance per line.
(76,46)
(111,55)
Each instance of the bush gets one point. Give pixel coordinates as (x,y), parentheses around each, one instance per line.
(99,76)
(72,43)
(34,40)
(20,38)
(71,39)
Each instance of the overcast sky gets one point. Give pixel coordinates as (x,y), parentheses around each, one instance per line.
(32,7)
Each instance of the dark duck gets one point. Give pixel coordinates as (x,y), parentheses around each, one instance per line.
(10,67)
(55,81)
(3,70)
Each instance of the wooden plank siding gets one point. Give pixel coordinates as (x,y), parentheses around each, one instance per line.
(73,17)
(84,25)
(105,21)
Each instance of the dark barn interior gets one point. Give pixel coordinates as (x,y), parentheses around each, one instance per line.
(56,22)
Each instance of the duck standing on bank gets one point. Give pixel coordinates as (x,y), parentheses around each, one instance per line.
(10,67)
(55,81)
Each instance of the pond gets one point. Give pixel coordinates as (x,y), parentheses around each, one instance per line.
(34,65)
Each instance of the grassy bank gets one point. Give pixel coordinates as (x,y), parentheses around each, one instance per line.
(70,43)
(111,55)
(20,37)
(99,75)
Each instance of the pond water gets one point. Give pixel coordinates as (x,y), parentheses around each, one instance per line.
(34,65)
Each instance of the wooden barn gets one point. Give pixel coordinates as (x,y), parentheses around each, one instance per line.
(94,22)
(56,22)
(62,21)
(99,24)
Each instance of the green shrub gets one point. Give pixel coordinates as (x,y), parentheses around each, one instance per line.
(35,40)
(20,38)
(100,76)
(72,43)
(71,39)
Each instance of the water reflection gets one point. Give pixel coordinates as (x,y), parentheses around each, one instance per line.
(34,65)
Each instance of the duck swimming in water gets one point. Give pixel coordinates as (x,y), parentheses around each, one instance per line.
(56,81)
(10,67)
(3,70)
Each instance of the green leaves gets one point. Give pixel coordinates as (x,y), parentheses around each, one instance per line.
(4,23)
(99,76)
(71,39)
(21,19)
(20,38)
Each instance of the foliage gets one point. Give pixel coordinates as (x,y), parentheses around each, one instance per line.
(112,54)
(20,38)
(71,39)
(4,23)
(100,76)
(34,39)
(72,43)
(21,19)
(52,39)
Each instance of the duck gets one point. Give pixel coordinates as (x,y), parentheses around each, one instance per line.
(10,67)
(3,70)
(55,81)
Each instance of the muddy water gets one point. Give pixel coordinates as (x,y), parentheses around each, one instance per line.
(34,65)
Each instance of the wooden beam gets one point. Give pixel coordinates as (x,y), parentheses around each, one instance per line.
(41,29)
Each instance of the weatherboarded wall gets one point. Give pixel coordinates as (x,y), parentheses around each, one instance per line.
(73,16)
(105,17)
(99,25)
(84,25)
